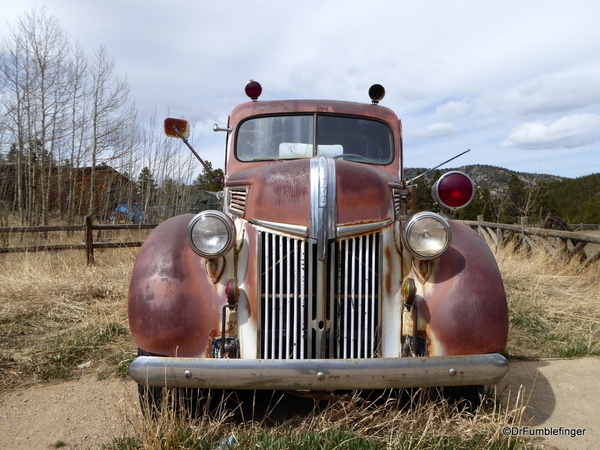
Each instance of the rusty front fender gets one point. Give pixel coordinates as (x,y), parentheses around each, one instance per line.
(462,304)
(173,306)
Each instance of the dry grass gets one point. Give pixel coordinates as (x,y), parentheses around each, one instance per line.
(353,424)
(58,315)
(554,306)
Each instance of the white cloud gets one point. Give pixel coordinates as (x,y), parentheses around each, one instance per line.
(436,130)
(452,110)
(554,92)
(572,131)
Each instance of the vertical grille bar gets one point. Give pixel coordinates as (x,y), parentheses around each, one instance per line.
(266,323)
(295,298)
(374,311)
(344,328)
(308,268)
(279,277)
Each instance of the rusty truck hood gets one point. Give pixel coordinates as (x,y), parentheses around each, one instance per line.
(281,192)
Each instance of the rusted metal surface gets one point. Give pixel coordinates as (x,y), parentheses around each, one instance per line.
(173,305)
(277,192)
(281,192)
(462,305)
(177,128)
(363,193)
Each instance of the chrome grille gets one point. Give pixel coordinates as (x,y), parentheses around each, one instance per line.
(289,298)
(287,291)
(355,288)
(237,200)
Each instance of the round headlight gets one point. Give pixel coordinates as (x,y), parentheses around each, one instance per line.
(211,234)
(427,235)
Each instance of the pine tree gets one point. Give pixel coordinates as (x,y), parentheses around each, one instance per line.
(205,181)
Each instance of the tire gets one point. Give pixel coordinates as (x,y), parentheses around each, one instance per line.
(464,398)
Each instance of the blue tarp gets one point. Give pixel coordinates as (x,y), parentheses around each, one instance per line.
(131,213)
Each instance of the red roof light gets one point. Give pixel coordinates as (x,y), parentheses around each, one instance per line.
(253,90)
(453,190)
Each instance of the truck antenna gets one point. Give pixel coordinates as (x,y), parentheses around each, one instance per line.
(439,165)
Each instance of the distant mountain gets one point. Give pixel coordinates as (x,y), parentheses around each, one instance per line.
(492,177)
(576,200)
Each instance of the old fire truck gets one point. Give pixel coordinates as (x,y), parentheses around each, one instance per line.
(317,275)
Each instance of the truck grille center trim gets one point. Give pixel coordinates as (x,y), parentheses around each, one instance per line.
(289,314)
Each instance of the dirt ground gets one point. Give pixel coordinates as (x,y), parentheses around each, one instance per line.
(560,393)
(85,413)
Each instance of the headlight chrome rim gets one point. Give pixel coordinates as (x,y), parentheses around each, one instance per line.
(418,223)
(202,237)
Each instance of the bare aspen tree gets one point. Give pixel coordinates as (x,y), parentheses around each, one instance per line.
(78,118)
(109,95)
(66,117)
(13,86)
(47,50)
(33,69)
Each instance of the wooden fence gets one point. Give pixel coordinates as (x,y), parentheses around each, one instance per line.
(87,244)
(564,244)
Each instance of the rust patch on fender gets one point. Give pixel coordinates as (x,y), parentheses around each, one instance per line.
(463,303)
(172,303)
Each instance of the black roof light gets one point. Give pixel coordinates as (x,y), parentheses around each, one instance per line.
(376,92)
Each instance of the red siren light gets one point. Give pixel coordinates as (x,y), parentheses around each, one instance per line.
(253,90)
(454,190)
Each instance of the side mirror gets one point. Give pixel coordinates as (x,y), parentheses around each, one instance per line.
(177,128)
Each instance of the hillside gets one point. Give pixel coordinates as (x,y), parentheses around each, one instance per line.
(576,200)
(492,177)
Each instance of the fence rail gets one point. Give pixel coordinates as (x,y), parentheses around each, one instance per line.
(564,244)
(88,244)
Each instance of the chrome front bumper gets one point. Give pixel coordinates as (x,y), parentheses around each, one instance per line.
(319,374)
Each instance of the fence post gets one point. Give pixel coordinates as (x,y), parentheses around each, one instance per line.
(89,240)
(524,223)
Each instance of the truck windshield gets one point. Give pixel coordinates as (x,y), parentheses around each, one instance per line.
(292,137)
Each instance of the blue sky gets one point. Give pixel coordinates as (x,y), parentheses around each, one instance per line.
(517,82)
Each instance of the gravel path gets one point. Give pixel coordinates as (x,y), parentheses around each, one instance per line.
(82,414)
(85,413)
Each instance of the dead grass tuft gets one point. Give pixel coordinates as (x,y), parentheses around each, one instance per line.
(354,423)
(59,316)
(553,306)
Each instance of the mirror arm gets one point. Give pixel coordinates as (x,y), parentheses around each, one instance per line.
(206,167)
